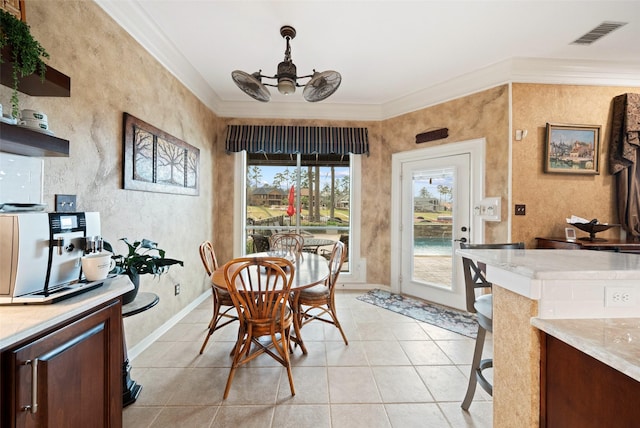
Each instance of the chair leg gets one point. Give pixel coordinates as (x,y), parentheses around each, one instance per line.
(297,323)
(212,323)
(475,368)
(286,344)
(333,314)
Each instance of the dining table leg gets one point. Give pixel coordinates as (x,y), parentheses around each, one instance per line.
(297,323)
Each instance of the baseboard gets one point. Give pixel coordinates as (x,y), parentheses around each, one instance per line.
(360,286)
(136,350)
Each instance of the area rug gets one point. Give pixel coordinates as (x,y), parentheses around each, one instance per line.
(454,320)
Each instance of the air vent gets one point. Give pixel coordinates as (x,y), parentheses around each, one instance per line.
(598,32)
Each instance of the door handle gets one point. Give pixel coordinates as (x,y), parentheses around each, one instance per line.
(33,407)
(460,240)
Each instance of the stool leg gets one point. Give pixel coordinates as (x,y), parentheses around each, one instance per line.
(475,364)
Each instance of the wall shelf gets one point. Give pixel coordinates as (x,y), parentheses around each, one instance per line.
(55,83)
(23,141)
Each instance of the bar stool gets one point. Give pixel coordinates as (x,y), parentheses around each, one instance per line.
(482,306)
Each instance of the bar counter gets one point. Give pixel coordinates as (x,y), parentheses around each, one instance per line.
(541,290)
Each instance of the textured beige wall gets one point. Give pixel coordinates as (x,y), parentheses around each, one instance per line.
(484,114)
(550,198)
(516,361)
(111,74)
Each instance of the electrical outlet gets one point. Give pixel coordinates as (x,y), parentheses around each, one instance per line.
(176,289)
(619,296)
(521,209)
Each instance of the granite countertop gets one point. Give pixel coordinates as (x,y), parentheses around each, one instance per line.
(615,342)
(22,321)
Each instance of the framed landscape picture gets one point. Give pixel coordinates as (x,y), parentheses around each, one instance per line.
(572,149)
(155,161)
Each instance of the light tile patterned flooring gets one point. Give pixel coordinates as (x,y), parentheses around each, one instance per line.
(395,372)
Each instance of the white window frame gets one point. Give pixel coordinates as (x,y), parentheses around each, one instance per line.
(357,274)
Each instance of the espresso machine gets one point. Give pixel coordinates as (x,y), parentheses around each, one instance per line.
(40,255)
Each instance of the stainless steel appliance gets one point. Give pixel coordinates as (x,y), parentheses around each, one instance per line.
(40,255)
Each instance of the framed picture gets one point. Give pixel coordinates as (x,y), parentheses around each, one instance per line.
(570,233)
(155,161)
(572,149)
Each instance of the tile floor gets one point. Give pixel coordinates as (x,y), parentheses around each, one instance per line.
(395,372)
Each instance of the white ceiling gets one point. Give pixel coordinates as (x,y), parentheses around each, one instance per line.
(394,56)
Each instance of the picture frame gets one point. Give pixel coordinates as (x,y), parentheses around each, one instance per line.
(570,233)
(572,149)
(155,161)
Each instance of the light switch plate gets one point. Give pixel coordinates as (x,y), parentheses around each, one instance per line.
(66,203)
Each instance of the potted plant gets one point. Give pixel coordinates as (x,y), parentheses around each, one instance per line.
(143,257)
(26,53)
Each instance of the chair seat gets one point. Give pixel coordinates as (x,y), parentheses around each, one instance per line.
(484,306)
(224,297)
(317,292)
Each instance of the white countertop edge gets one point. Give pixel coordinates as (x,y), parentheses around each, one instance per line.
(18,322)
(548,264)
(589,344)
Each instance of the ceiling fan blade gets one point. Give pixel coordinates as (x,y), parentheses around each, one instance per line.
(251,85)
(322,85)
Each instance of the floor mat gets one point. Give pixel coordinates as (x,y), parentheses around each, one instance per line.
(454,320)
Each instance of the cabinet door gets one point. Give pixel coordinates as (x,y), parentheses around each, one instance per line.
(71,377)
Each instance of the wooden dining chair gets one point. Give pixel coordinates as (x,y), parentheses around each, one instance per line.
(290,242)
(318,302)
(222,303)
(259,289)
(482,306)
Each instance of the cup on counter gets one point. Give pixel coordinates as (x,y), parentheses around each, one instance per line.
(96,266)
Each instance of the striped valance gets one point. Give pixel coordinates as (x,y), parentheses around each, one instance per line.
(306,140)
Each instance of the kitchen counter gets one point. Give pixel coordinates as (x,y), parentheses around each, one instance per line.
(563,293)
(20,322)
(615,342)
(565,283)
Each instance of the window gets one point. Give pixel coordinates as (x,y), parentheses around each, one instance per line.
(321,203)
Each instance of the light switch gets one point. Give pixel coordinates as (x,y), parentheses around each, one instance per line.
(66,203)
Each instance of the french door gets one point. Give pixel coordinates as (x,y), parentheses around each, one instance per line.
(435,194)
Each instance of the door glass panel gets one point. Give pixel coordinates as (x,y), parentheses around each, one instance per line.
(433,226)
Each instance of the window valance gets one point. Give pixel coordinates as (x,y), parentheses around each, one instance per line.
(306,140)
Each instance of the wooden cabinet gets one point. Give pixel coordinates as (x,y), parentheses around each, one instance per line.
(70,376)
(598,245)
(14,7)
(579,391)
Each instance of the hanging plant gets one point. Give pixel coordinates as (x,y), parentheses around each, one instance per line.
(26,53)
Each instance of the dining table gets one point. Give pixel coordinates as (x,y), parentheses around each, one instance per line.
(309,269)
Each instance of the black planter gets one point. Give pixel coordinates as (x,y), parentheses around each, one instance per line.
(130,296)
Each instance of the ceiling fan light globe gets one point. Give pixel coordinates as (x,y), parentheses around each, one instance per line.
(286,86)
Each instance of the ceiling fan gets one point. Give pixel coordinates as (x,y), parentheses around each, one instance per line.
(320,86)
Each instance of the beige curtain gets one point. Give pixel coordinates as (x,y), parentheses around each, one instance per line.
(624,159)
